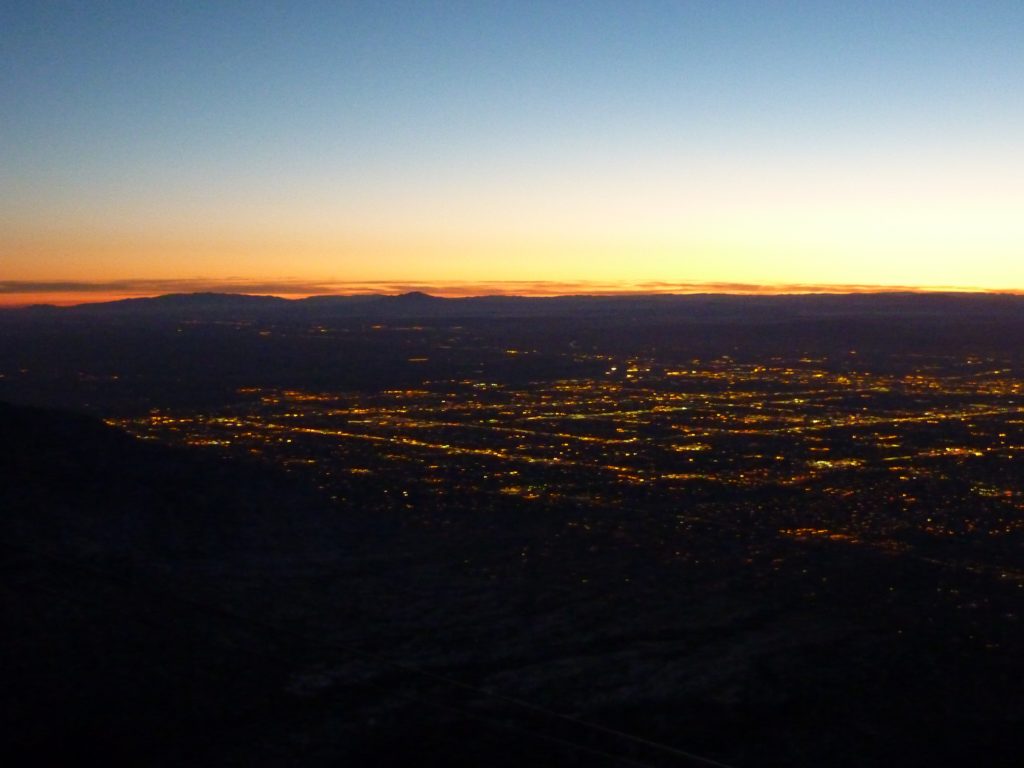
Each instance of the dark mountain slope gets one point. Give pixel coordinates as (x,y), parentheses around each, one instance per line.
(75,486)
(122,563)
(160,608)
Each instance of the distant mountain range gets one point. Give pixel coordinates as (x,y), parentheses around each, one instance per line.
(235,306)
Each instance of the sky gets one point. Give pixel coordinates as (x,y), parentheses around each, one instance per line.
(530,147)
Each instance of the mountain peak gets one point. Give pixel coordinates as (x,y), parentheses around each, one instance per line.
(416,296)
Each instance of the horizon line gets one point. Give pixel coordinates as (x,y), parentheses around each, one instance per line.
(24,293)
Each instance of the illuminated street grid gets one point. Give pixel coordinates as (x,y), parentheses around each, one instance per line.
(850,456)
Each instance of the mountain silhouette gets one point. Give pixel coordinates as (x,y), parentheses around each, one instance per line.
(703,307)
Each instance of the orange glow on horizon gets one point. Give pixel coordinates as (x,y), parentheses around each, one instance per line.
(86,293)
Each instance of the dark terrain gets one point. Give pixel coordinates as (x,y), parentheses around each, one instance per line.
(168,604)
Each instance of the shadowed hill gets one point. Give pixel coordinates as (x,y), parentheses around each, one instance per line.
(163,608)
(77,486)
(119,558)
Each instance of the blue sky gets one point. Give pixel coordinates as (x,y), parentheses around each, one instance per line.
(396,132)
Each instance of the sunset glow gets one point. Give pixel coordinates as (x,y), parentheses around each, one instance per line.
(545,149)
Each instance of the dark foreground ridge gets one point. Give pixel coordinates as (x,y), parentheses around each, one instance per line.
(164,608)
(120,560)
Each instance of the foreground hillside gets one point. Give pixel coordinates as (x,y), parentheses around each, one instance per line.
(122,560)
(162,608)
